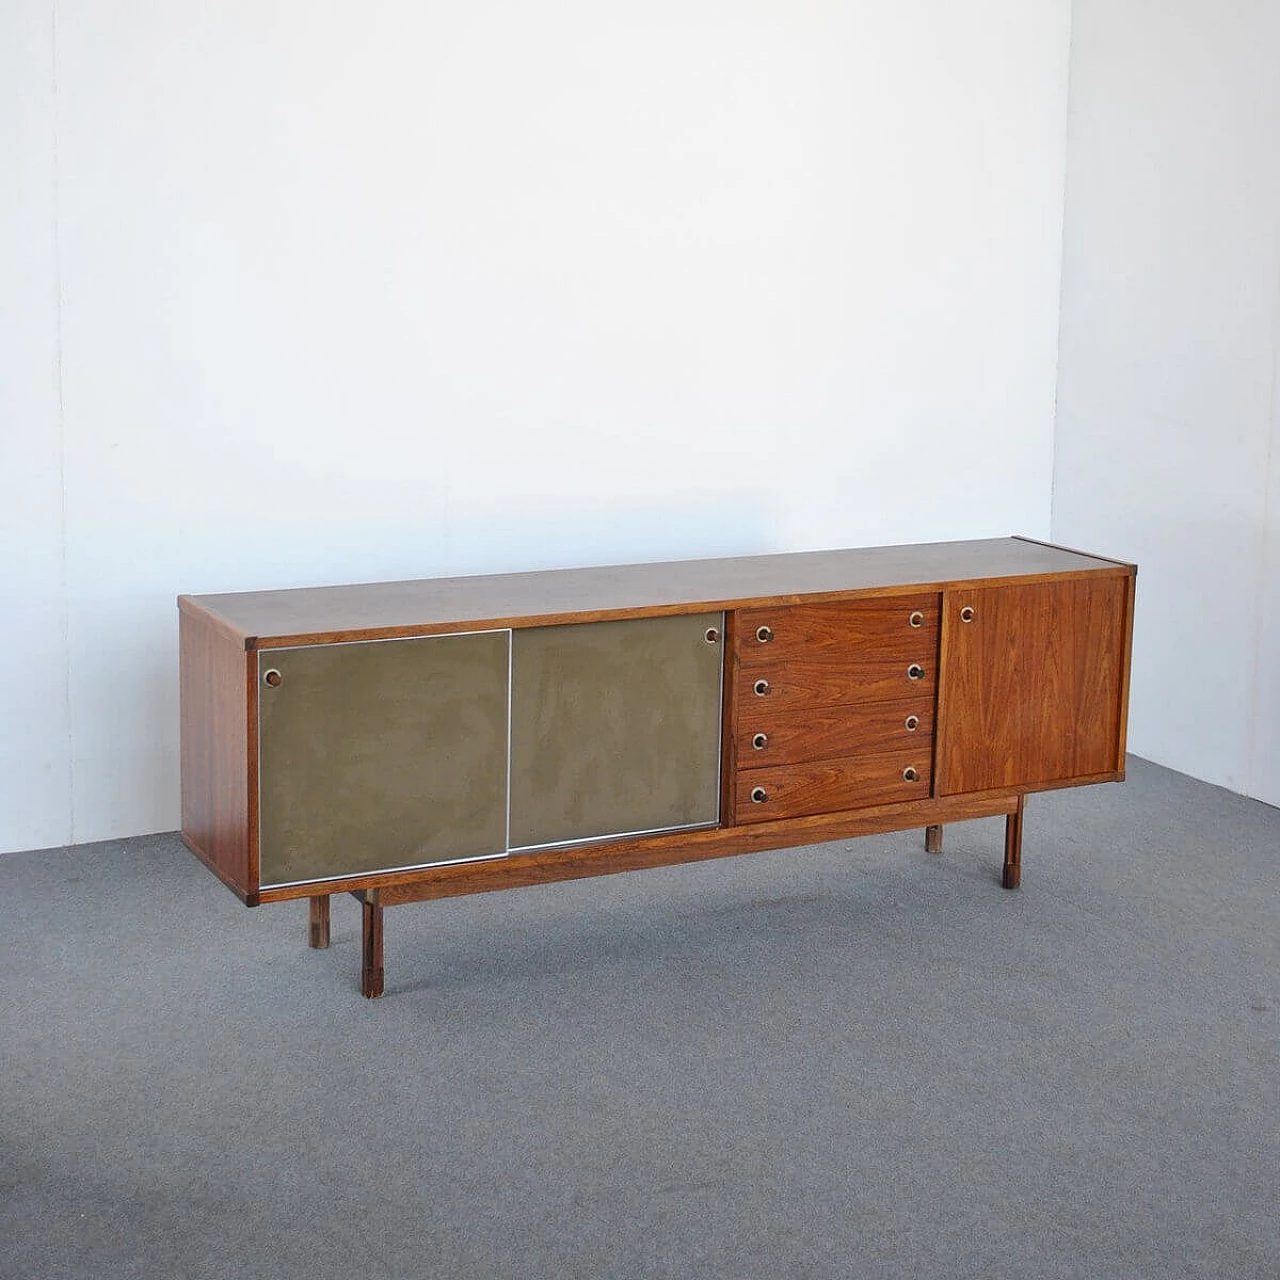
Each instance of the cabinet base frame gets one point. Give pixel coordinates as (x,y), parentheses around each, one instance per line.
(608,858)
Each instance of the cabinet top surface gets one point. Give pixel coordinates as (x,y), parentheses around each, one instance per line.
(312,614)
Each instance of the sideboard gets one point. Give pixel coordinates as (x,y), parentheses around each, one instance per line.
(412,740)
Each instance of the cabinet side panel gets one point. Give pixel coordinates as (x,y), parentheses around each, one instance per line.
(1031,693)
(1131,589)
(215,750)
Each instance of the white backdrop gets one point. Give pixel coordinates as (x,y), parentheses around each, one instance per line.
(325,292)
(1168,411)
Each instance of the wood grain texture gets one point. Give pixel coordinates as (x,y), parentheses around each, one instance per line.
(830,732)
(835,632)
(933,839)
(371,961)
(551,865)
(381,610)
(1030,690)
(251,688)
(1011,876)
(318,921)
(803,685)
(1125,665)
(832,786)
(728,721)
(214,735)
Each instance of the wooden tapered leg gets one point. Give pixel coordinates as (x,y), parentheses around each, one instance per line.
(319,935)
(933,839)
(1013,846)
(371,968)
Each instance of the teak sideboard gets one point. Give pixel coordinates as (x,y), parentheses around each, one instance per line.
(412,740)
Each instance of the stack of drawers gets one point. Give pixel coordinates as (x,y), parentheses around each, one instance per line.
(833,705)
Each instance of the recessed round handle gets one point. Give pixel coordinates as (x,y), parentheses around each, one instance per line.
(712,635)
(273,678)
(912,723)
(916,619)
(760,741)
(758,795)
(761,687)
(909,774)
(968,613)
(764,634)
(915,672)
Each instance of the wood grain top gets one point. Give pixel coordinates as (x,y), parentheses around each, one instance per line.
(304,615)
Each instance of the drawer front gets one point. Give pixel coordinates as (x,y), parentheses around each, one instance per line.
(832,786)
(805,684)
(767,739)
(893,626)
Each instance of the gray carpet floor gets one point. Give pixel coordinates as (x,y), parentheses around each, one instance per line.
(851,1060)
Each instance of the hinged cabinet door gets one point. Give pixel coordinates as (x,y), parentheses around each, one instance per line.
(1032,684)
(381,754)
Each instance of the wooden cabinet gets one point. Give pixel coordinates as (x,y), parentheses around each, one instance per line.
(405,741)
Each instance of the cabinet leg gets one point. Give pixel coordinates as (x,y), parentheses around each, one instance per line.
(933,839)
(371,967)
(1013,846)
(319,934)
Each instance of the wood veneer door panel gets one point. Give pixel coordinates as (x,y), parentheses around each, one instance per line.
(1031,689)
(615,728)
(382,754)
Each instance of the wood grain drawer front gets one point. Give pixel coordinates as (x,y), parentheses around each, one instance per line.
(832,786)
(889,625)
(765,740)
(806,684)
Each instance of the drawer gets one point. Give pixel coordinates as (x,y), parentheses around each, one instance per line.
(808,683)
(831,786)
(889,625)
(766,739)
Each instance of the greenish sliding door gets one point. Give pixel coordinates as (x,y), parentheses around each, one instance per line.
(615,728)
(381,754)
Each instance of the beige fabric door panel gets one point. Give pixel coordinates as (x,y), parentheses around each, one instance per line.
(615,728)
(382,754)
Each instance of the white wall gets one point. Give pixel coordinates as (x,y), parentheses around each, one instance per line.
(1170,340)
(1264,777)
(35,796)
(366,291)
